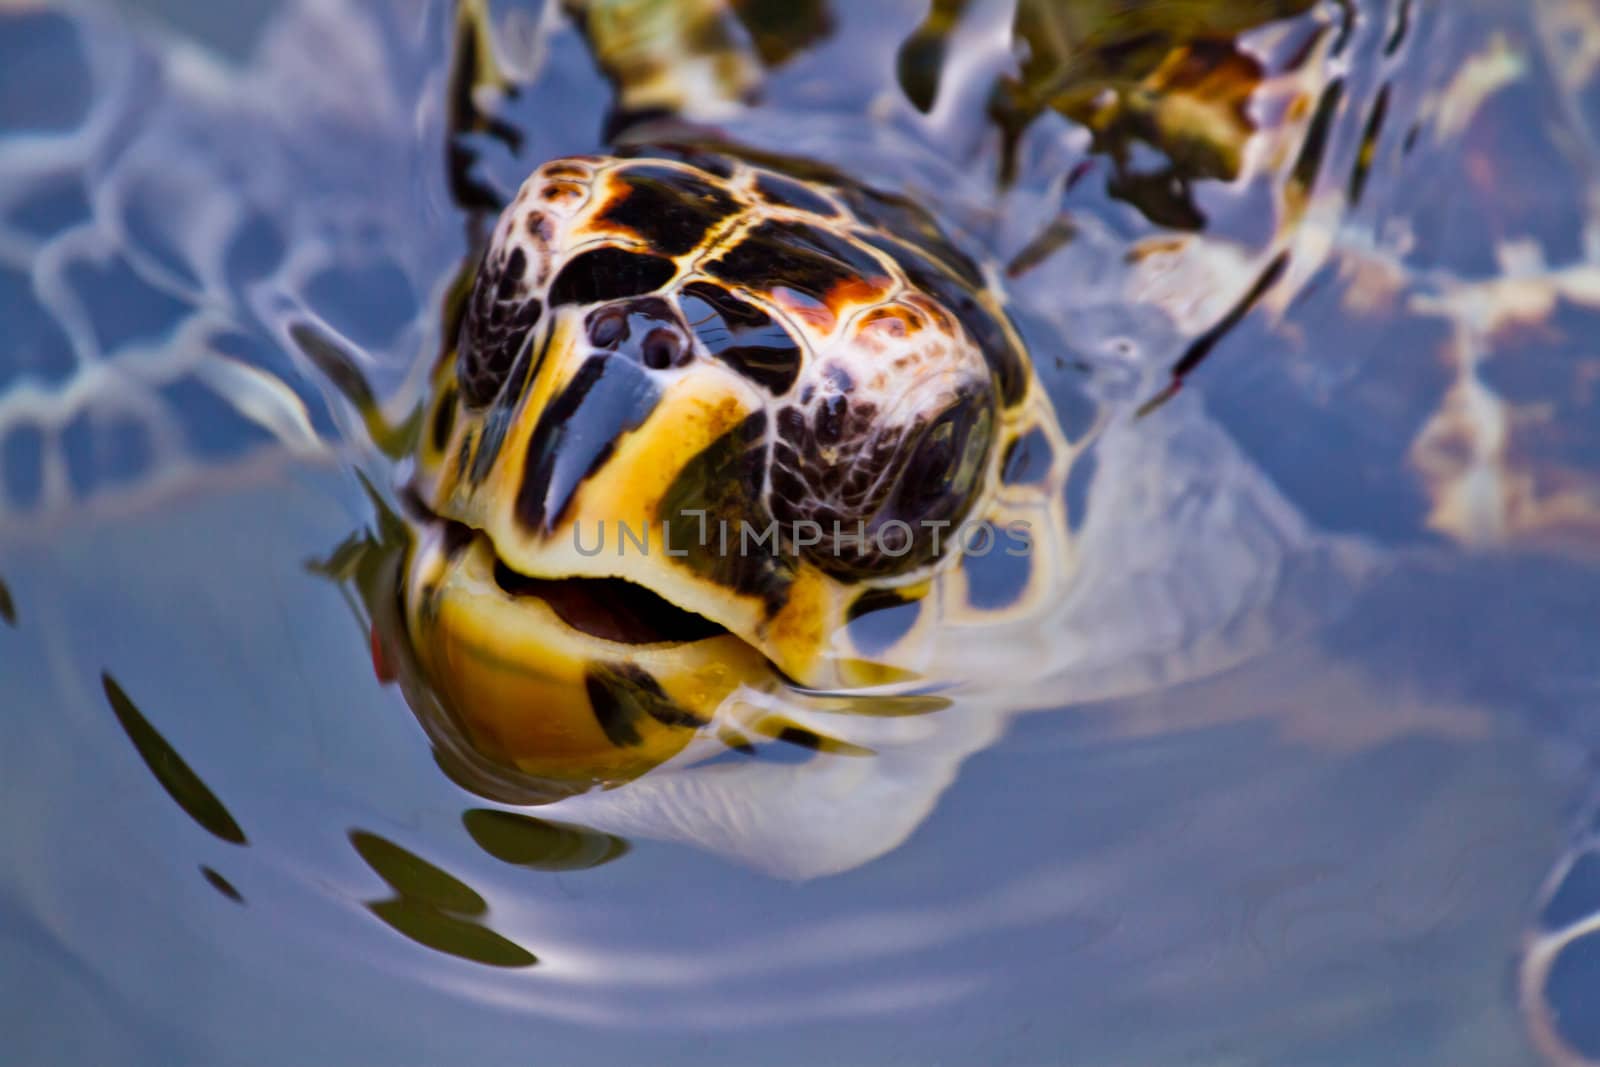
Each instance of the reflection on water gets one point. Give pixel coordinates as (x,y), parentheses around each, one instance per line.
(1280,772)
(221,884)
(181,783)
(524,841)
(434,908)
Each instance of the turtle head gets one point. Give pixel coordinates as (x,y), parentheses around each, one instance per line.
(690,418)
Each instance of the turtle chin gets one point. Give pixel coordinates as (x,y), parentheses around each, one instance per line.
(575,679)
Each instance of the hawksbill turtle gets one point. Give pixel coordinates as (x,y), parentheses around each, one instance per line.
(745,272)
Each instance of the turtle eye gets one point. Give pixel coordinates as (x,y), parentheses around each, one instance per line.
(885,494)
(500,316)
(941,474)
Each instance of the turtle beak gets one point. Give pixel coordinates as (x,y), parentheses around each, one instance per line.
(552,677)
(602,571)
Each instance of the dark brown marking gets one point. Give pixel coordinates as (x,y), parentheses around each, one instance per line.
(501,416)
(898,217)
(711,162)
(516,267)
(669,209)
(494,329)
(576,434)
(792,425)
(741,335)
(828,424)
(610,274)
(489,443)
(444,419)
(457,536)
(801,737)
(787,192)
(622,694)
(797,256)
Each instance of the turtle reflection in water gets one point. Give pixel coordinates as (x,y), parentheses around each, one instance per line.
(700,327)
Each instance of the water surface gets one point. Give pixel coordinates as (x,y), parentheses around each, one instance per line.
(1276,781)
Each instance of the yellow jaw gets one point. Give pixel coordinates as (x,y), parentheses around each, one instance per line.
(535,693)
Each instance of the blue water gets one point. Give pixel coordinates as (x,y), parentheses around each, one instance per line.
(1307,744)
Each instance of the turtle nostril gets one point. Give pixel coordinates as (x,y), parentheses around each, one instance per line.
(607,327)
(661,349)
(646,331)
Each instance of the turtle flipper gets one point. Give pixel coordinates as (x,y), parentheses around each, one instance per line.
(473,74)
(1559,970)
(669,57)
